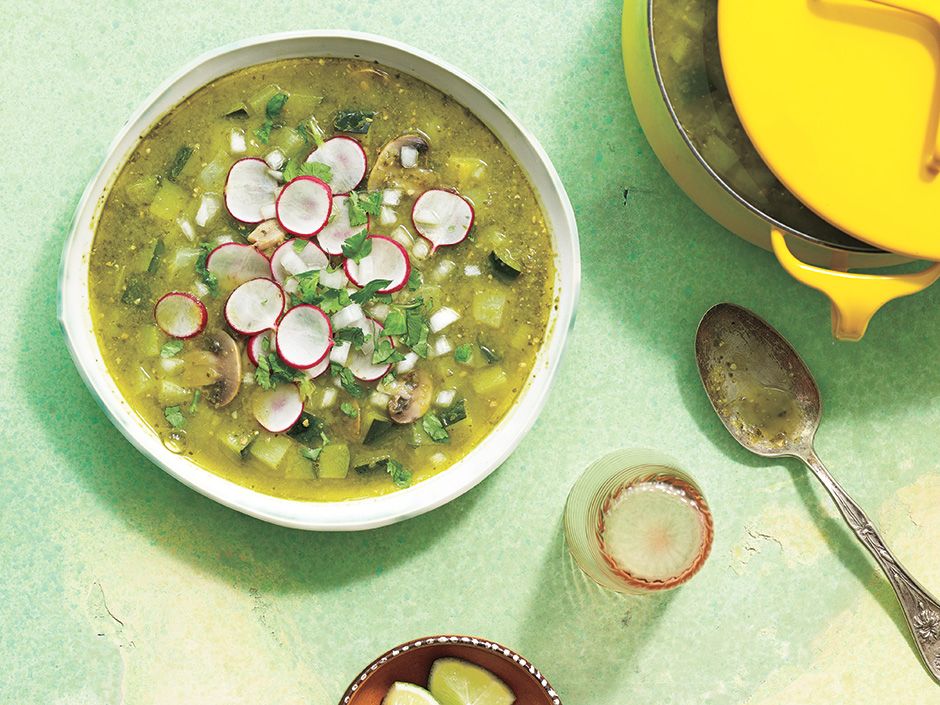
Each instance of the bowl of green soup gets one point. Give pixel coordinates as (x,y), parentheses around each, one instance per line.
(322,278)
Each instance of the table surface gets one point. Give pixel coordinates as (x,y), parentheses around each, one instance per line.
(118,584)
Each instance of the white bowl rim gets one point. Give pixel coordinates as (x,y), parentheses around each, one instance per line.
(349,515)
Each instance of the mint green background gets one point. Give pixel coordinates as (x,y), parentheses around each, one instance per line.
(119,584)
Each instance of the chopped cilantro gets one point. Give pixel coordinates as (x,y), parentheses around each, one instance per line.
(310,453)
(299,244)
(414,280)
(368,291)
(394,323)
(208,278)
(306,387)
(196,397)
(174,416)
(263,373)
(416,336)
(321,171)
(263,133)
(362,205)
(399,474)
(385,353)
(333,300)
(275,105)
(310,130)
(351,334)
(433,426)
(357,246)
(351,410)
(271,370)
(347,380)
(463,353)
(171,348)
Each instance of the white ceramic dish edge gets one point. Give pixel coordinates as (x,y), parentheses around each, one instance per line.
(75,318)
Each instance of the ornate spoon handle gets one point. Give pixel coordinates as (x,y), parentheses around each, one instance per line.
(920,609)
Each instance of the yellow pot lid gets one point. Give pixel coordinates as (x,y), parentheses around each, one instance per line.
(842,100)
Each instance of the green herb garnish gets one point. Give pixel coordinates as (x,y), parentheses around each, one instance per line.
(371,289)
(414,280)
(197,395)
(433,426)
(362,205)
(174,416)
(463,353)
(385,353)
(158,249)
(357,246)
(394,323)
(351,410)
(207,277)
(351,334)
(347,380)
(272,111)
(321,171)
(399,474)
(310,453)
(171,348)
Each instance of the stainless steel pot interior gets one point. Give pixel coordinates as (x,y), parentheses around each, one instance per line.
(684,45)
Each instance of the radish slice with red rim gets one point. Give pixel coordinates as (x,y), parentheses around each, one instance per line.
(249,187)
(180,315)
(319,368)
(254,306)
(346,159)
(360,361)
(234,263)
(304,336)
(338,230)
(387,260)
(303,206)
(296,257)
(257,347)
(278,409)
(442,217)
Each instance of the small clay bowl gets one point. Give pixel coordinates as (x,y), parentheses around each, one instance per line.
(411,662)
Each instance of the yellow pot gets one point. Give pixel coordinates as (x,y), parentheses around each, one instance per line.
(818,256)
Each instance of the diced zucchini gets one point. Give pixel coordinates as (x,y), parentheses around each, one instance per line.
(490,238)
(148,341)
(521,337)
(505,265)
(455,413)
(170,393)
(465,170)
(379,464)
(333,463)
(212,176)
(353,121)
(489,379)
(141,380)
(488,307)
(307,430)
(270,450)
(170,201)
(259,101)
(416,436)
(236,111)
(289,141)
(301,106)
(297,467)
(184,259)
(182,165)
(377,427)
(239,441)
(136,290)
(142,191)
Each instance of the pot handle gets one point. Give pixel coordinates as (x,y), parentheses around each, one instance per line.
(855,297)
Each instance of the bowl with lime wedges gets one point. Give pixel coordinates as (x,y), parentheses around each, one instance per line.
(450,670)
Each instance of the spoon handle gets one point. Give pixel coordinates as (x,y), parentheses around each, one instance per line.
(920,609)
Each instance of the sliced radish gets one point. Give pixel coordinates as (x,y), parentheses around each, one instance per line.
(278,409)
(304,336)
(387,260)
(360,361)
(304,206)
(346,159)
(233,264)
(249,188)
(180,315)
(289,260)
(338,230)
(257,346)
(319,368)
(442,217)
(254,306)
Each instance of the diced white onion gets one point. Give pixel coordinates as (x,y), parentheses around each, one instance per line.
(444,269)
(403,237)
(248,378)
(387,216)
(292,263)
(391,197)
(409,156)
(442,318)
(188,230)
(275,159)
(279,175)
(471,270)
(237,142)
(222,239)
(208,207)
(347,316)
(387,385)
(200,289)
(441,346)
(421,250)
(329,397)
(446,397)
(171,365)
(378,399)
(340,353)
(379,312)
(269,211)
(438,459)
(333,280)
(408,364)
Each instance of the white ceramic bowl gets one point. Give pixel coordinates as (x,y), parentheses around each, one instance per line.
(76,321)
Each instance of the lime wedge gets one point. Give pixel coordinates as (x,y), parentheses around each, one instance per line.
(408,694)
(456,682)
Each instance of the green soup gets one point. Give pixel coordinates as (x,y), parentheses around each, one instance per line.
(382,407)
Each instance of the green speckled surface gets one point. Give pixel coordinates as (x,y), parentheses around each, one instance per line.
(119,584)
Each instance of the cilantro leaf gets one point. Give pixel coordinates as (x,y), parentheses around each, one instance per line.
(368,291)
(310,453)
(171,348)
(263,133)
(385,352)
(321,171)
(275,105)
(416,336)
(351,410)
(208,278)
(347,380)
(399,474)
(455,413)
(357,246)
(463,353)
(362,205)
(351,334)
(394,323)
(333,300)
(263,373)
(414,280)
(434,428)
(174,416)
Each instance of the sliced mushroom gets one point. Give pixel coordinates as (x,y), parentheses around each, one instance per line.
(216,367)
(412,397)
(389,172)
(267,235)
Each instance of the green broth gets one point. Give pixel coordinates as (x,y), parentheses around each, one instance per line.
(147,243)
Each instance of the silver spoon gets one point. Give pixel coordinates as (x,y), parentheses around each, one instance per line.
(767,399)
